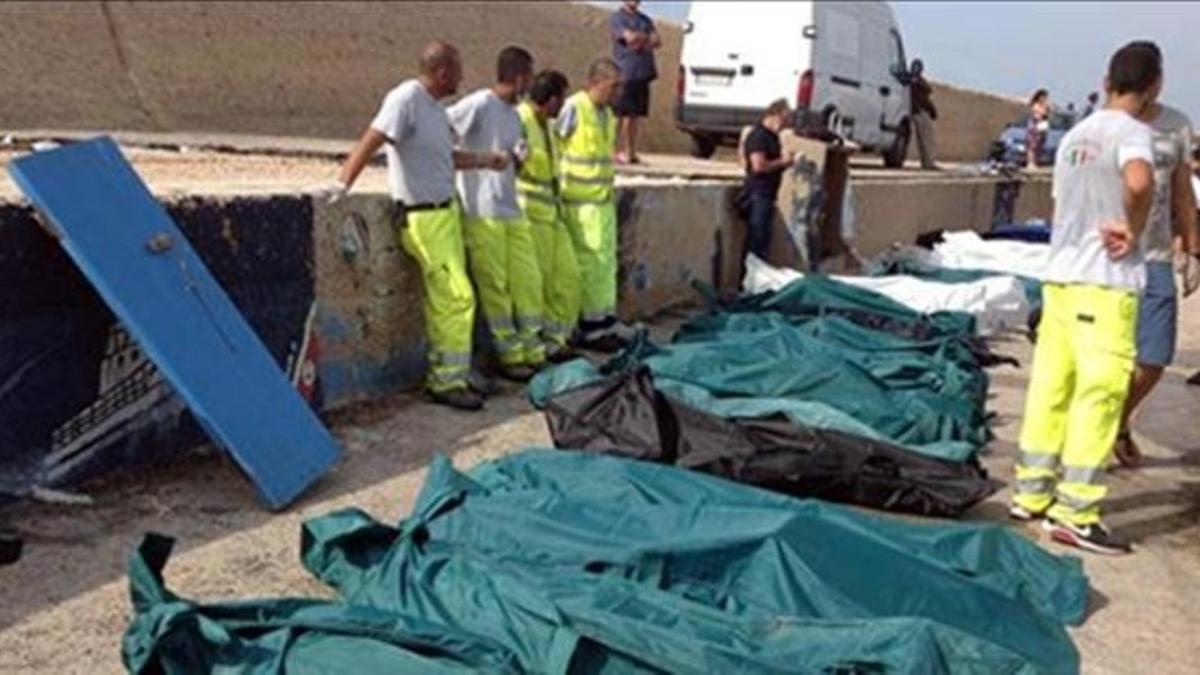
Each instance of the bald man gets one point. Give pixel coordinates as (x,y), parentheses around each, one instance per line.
(587,133)
(421,162)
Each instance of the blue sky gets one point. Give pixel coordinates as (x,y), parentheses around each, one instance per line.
(1016,47)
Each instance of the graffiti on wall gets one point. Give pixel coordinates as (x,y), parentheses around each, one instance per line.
(78,397)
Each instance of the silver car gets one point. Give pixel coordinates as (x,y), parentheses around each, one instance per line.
(1010,147)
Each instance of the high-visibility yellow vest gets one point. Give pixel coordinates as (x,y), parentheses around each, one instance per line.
(585,163)
(536,184)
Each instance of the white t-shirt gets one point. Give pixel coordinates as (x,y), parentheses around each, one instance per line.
(1088,193)
(1172,145)
(420,154)
(486,123)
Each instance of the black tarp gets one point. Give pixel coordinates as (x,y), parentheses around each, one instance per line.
(625,415)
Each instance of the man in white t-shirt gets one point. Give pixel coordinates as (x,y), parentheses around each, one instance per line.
(1172,218)
(501,252)
(1103,189)
(421,162)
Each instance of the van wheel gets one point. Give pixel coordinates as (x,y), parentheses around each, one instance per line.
(703,146)
(833,121)
(893,157)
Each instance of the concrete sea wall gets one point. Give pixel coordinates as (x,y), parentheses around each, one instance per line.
(339,304)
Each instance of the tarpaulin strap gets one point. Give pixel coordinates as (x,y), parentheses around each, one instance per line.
(145,572)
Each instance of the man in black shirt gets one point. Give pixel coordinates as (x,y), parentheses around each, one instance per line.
(765,164)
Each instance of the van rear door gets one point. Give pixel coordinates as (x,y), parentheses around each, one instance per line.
(839,54)
(884,76)
(745,54)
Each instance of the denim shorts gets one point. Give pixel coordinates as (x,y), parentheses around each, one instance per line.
(1158,311)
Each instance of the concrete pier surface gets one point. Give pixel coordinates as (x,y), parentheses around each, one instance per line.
(64,606)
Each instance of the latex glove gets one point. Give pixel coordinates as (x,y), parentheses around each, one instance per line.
(331,192)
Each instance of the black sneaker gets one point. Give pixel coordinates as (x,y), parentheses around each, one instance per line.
(560,354)
(610,339)
(1094,537)
(461,399)
(10,547)
(482,384)
(600,342)
(517,373)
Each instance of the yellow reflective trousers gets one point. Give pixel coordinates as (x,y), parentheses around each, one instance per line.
(593,228)
(560,279)
(504,263)
(434,238)
(1081,372)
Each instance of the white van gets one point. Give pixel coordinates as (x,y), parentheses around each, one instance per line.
(841,64)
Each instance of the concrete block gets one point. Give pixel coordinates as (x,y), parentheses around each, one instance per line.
(369,324)
(670,236)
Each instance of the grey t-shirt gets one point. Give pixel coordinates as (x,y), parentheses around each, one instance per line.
(420,151)
(1089,194)
(1172,145)
(486,123)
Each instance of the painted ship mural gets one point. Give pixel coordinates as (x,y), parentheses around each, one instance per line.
(135,401)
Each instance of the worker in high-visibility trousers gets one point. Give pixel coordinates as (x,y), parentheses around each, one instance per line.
(501,253)
(586,129)
(538,191)
(421,163)
(1103,188)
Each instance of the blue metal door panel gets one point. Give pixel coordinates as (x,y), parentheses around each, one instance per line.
(141,264)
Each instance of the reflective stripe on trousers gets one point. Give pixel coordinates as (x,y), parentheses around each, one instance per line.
(434,239)
(1077,389)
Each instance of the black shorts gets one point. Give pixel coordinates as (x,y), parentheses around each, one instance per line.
(634,100)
